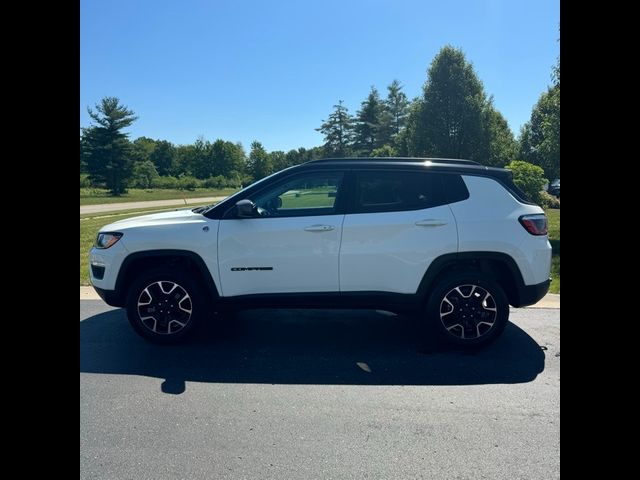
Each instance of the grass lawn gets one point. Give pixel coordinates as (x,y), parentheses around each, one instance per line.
(553,216)
(309,198)
(95,196)
(88,231)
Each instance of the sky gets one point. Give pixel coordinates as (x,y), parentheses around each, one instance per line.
(271,70)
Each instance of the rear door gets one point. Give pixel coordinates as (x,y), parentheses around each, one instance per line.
(398,222)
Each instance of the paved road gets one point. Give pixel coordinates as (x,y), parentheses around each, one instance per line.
(279,394)
(113,207)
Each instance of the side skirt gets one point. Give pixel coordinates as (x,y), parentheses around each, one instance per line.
(395,302)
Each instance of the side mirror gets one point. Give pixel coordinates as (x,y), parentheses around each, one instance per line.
(245,209)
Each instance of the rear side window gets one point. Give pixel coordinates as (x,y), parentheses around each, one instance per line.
(516,192)
(454,187)
(394,191)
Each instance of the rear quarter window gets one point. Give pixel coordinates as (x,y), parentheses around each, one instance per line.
(455,189)
(516,192)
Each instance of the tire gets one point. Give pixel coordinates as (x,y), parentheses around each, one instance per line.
(165,306)
(467,309)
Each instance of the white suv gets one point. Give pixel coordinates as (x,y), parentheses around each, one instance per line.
(452,240)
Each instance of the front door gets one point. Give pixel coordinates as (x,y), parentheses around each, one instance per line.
(292,245)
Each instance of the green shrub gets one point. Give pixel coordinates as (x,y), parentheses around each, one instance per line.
(84,180)
(548,201)
(216,182)
(166,182)
(144,174)
(529,178)
(92,192)
(239,180)
(188,183)
(384,151)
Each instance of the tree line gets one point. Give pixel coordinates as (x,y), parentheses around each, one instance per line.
(453,117)
(108,158)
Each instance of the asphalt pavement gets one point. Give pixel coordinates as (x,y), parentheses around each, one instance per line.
(317,394)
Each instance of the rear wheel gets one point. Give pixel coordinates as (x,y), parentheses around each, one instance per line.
(468,309)
(164,306)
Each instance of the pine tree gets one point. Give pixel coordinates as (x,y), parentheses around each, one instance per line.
(367,129)
(338,132)
(394,114)
(106,151)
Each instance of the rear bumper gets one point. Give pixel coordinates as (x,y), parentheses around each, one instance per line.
(110,297)
(530,294)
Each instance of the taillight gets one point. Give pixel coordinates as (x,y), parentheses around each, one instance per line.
(534,224)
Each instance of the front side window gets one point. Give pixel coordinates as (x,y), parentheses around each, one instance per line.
(389,191)
(305,195)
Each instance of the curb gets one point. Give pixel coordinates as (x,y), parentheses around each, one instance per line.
(550,300)
(88,293)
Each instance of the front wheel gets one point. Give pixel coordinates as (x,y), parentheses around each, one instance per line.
(165,306)
(468,309)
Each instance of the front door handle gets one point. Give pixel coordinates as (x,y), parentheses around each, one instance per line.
(430,222)
(319,228)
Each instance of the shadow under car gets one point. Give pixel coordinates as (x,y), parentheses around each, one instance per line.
(341,347)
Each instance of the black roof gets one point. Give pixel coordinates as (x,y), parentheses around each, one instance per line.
(442,164)
(456,161)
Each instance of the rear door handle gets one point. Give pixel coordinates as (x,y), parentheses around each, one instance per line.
(319,228)
(430,222)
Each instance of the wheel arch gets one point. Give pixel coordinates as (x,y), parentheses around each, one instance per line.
(138,262)
(500,266)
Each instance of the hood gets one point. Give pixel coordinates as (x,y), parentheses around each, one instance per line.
(155,219)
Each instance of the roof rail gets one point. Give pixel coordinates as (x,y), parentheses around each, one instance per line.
(397,159)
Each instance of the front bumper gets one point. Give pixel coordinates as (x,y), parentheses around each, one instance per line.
(110,297)
(104,265)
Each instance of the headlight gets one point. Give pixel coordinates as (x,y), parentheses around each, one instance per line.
(106,240)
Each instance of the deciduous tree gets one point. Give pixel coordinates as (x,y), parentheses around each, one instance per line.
(259,161)
(449,120)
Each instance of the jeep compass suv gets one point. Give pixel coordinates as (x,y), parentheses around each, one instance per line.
(450,240)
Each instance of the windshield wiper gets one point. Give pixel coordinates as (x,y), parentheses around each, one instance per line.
(201,209)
